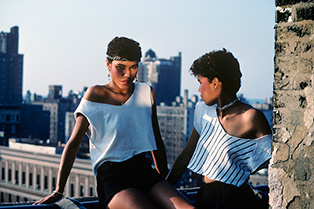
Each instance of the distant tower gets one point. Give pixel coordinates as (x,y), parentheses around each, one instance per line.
(164,75)
(11,68)
(55,92)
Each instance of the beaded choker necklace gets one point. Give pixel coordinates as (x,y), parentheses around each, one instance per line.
(227,105)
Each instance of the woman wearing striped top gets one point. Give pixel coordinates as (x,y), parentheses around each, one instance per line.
(230,139)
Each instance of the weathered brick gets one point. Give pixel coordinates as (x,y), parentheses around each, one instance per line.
(300,168)
(277,102)
(277,118)
(291,180)
(304,48)
(282,152)
(297,202)
(284,73)
(282,81)
(281,48)
(282,134)
(290,2)
(306,13)
(299,30)
(304,66)
(283,15)
(296,30)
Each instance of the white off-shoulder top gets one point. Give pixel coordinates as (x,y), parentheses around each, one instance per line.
(118,132)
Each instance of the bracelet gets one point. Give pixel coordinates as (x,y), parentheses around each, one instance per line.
(59,193)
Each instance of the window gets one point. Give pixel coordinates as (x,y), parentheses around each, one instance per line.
(13,118)
(30,179)
(38,181)
(13,129)
(91,191)
(9,175)
(46,182)
(54,182)
(16,177)
(8,118)
(23,178)
(72,191)
(81,191)
(3,174)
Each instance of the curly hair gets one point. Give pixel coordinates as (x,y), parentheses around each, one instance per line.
(125,48)
(222,65)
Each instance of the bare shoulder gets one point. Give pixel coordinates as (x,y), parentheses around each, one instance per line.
(95,93)
(257,120)
(252,113)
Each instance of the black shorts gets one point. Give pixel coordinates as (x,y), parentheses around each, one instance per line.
(225,196)
(113,177)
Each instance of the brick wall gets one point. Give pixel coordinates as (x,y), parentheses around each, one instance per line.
(291,176)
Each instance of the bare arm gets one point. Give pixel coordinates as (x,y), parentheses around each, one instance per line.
(182,161)
(262,128)
(261,124)
(159,155)
(67,159)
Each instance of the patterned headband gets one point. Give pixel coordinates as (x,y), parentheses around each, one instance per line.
(120,59)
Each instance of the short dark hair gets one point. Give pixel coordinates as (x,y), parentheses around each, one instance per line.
(125,48)
(221,64)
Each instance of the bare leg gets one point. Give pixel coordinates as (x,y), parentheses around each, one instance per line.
(131,198)
(168,197)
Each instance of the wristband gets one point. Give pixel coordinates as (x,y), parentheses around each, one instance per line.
(59,193)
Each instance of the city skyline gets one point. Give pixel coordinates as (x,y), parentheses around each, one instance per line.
(63,42)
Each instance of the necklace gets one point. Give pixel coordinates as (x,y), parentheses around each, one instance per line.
(227,105)
(110,89)
(115,92)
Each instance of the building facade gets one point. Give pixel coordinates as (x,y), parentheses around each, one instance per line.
(176,125)
(57,106)
(30,175)
(164,75)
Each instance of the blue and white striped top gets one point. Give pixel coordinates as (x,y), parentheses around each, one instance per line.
(222,157)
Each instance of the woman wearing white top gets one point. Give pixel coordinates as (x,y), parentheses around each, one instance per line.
(230,139)
(120,119)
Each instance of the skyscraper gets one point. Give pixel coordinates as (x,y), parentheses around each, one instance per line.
(11,71)
(11,68)
(164,75)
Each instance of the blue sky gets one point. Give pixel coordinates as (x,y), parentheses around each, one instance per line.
(64,41)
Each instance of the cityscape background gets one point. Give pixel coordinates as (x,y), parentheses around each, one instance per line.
(64,41)
(49,56)
(39,125)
